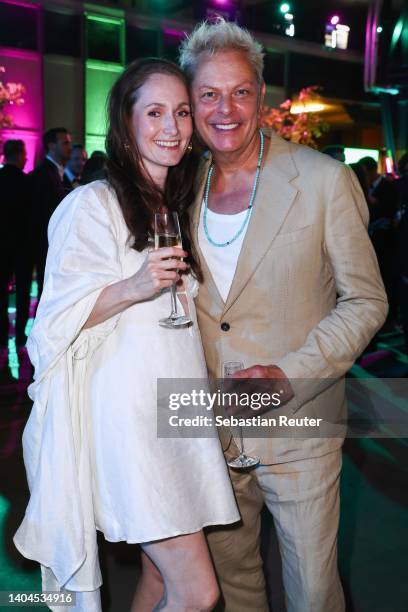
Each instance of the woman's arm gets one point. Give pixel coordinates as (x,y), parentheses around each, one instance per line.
(158,271)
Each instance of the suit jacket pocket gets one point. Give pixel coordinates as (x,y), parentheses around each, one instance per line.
(286,238)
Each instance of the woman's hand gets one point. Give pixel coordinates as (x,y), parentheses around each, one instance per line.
(160,269)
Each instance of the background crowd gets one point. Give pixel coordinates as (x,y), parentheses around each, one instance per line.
(30,199)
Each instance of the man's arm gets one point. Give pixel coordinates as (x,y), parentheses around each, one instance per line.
(334,344)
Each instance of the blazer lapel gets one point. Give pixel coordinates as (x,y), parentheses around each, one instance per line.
(216,299)
(274,198)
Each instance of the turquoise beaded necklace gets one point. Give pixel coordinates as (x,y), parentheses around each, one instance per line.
(250,205)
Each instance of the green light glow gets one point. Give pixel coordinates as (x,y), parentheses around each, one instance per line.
(104,66)
(94,143)
(4,506)
(396,35)
(284,8)
(353,155)
(13,359)
(103,19)
(11,577)
(392,91)
(99,78)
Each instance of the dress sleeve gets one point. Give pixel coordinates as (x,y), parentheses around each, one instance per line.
(193,286)
(83,258)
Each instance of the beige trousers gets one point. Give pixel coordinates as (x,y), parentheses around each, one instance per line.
(303,498)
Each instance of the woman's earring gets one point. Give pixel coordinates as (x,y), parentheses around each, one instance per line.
(190,147)
(126,146)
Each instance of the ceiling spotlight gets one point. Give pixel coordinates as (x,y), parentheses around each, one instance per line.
(335,20)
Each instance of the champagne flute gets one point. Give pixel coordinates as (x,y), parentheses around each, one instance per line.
(167,234)
(243,461)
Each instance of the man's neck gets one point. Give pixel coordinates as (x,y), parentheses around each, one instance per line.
(228,164)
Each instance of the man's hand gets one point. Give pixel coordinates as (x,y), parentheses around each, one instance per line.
(278,384)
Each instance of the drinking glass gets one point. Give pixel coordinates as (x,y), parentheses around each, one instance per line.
(243,461)
(167,234)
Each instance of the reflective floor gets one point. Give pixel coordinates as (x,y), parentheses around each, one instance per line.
(374,528)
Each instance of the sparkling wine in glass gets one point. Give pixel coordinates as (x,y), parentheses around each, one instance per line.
(243,461)
(167,234)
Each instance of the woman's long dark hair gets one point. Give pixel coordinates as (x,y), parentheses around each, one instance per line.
(139,197)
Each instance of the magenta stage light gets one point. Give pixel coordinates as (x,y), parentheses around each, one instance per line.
(23,66)
(175,33)
(335,20)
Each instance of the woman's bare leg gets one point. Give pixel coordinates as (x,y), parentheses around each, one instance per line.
(187,571)
(150,587)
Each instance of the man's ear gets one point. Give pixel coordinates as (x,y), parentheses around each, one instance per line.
(261,99)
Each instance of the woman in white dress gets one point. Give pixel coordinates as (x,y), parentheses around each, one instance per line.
(92,454)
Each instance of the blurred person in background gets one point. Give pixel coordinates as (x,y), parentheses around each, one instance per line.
(98,153)
(335,152)
(15,246)
(402,242)
(94,169)
(402,245)
(75,166)
(402,183)
(362,178)
(383,206)
(382,190)
(47,190)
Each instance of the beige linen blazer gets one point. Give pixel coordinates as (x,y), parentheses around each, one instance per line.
(307,293)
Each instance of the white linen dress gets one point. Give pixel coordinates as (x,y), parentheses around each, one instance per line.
(91,450)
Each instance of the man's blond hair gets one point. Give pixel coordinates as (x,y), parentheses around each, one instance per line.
(207,39)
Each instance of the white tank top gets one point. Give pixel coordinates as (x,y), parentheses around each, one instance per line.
(222,261)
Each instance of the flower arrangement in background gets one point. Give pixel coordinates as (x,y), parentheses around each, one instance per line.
(10,94)
(298,120)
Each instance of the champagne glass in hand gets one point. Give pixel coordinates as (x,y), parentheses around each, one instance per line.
(243,461)
(167,234)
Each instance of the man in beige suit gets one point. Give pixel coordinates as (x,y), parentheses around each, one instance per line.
(291,289)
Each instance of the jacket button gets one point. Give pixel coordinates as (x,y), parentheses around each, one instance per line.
(225,326)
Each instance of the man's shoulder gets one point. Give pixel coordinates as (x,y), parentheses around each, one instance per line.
(5,172)
(44,168)
(309,159)
(202,169)
(41,166)
(12,177)
(303,153)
